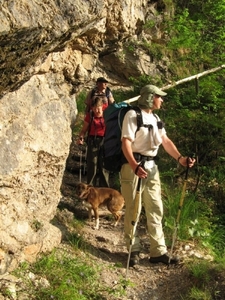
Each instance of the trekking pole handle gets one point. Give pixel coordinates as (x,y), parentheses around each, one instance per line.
(187,169)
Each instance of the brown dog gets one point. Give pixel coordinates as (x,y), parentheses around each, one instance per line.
(97,196)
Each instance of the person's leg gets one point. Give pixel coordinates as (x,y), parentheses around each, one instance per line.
(154,212)
(103,173)
(103,178)
(92,155)
(128,190)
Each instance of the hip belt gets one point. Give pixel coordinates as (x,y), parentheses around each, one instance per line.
(139,157)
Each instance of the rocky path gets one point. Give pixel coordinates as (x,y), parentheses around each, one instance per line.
(148,281)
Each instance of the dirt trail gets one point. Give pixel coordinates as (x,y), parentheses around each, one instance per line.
(149,281)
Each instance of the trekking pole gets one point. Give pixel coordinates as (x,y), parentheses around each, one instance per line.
(137,201)
(85,160)
(179,211)
(80,152)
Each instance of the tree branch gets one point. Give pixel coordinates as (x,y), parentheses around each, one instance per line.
(182,81)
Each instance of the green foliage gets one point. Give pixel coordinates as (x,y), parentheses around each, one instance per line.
(203,274)
(196,36)
(217,240)
(139,82)
(114,181)
(153,49)
(198,294)
(67,277)
(81,101)
(149,24)
(130,46)
(81,109)
(121,95)
(77,242)
(192,224)
(194,120)
(200,270)
(182,33)
(197,221)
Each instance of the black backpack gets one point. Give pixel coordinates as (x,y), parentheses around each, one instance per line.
(95,93)
(107,93)
(113,118)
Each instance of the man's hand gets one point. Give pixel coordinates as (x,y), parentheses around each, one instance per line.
(140,171)
(187,161)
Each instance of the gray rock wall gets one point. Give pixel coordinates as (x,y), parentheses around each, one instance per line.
(35,138)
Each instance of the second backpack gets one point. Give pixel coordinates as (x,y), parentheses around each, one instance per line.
(113,117)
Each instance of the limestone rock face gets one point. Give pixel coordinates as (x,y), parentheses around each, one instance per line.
(49,51)
(34,144)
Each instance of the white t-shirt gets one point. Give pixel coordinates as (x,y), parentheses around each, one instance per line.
(143,141)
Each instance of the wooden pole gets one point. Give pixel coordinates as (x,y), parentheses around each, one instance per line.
(182,81)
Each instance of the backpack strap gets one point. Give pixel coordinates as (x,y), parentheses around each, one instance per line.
(140,120)
(160,123)
(139,117)
(91,120)
(107,92)
(92,93)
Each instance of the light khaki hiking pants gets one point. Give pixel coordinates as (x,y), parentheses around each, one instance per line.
(152,202)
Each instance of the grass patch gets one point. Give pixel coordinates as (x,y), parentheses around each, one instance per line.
(64,275)
(69,278)
(207,278)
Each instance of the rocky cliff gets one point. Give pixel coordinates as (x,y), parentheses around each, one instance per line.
(51,50)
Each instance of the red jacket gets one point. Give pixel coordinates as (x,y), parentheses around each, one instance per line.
(96,125)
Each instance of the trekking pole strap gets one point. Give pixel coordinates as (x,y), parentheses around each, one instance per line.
(142,163)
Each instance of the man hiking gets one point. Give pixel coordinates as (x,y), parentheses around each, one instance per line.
(140,149)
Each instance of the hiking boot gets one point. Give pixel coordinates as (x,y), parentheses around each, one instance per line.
(134,258)
(165,259)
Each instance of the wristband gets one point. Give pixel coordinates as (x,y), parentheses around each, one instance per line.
(179,158)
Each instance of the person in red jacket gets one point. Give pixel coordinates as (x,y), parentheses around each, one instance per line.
(94,127)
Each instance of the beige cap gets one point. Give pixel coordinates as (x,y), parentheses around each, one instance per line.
(147,93)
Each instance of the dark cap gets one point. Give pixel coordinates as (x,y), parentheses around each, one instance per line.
(102,79)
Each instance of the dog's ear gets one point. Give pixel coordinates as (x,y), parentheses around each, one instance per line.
(92,192)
